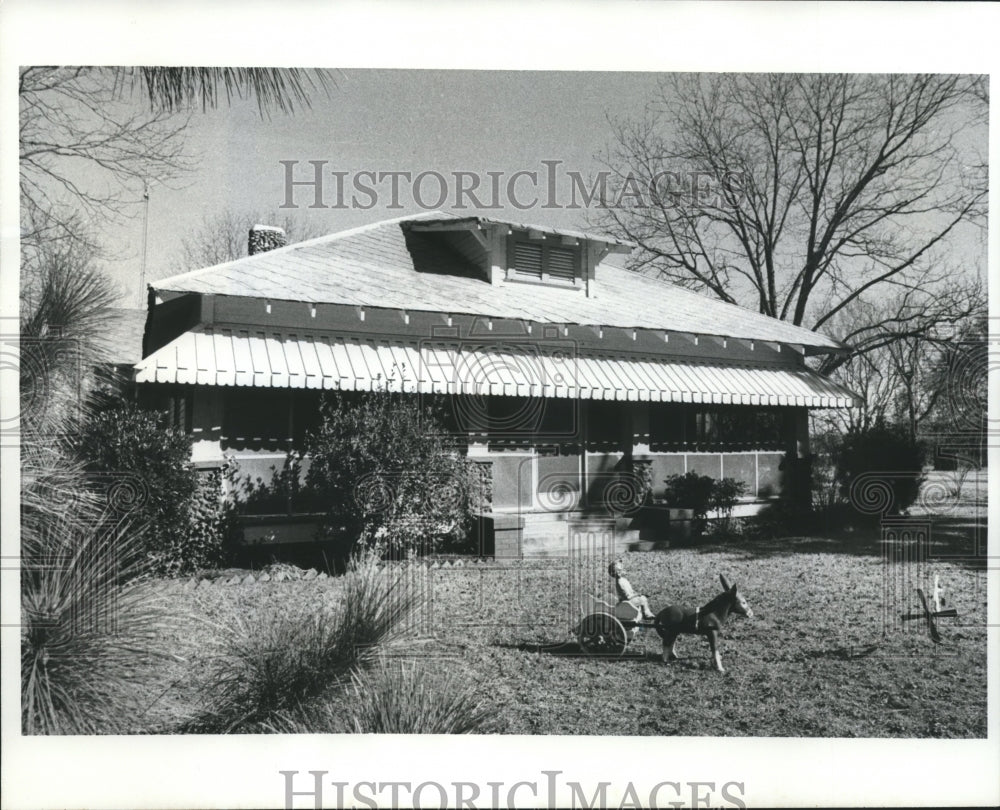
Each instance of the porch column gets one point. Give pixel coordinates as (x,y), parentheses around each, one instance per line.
(639,413)
(206,424)
(641,460)
(797,472)
(801,429)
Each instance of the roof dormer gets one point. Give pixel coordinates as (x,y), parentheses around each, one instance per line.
(504,252)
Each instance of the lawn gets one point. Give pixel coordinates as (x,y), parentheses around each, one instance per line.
(824,654)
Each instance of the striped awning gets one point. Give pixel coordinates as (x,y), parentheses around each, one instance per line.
(501,367)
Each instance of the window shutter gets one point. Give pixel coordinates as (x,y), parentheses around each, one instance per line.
(561,263)
(528,259)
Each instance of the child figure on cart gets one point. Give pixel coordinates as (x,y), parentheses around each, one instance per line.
(626,593)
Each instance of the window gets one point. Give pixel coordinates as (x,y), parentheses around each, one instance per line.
(544,262)
(606,425)
(669,426)
(257,419)
(173,403)
(676,427)
(305,415)
(518,422)
(179,411)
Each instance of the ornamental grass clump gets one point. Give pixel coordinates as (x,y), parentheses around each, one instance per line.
(403,697)
(394,696)
(272,658)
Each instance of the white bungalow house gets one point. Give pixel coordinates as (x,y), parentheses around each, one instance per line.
(567,376)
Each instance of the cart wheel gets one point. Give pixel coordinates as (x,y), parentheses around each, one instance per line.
(602,634)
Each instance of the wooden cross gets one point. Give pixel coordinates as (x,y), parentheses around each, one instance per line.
(929,615)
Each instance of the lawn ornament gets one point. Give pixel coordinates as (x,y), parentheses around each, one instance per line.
(705,621)
(928,615)
(608,629)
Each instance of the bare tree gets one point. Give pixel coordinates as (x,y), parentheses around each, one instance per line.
(223,238)
(952,396)
(87,146)
(828,192)
(85,153)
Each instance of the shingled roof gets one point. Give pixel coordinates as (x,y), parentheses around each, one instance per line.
(122,335)
(372,267)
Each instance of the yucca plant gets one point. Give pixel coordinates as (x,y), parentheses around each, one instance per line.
(87,624)
(273,88)
(271,658)
(88,628)
(264,661)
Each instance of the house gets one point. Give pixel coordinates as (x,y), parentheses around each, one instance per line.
(569,380)
(123,329)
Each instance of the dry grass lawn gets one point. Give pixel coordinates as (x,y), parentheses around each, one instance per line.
(823,656)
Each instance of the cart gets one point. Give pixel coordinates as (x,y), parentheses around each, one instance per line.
(608,629)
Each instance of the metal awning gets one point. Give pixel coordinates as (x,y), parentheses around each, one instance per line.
(514,366)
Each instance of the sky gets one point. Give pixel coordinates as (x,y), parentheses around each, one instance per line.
(496,127)
(383,121)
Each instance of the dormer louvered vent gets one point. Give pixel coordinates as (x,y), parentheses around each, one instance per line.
(528,260)
(543,261)
(562,264)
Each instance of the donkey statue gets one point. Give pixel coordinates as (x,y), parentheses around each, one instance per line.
(704,621)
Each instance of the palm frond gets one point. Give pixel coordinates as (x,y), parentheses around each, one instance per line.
(174,88)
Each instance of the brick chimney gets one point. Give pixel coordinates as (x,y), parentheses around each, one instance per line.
(265,237)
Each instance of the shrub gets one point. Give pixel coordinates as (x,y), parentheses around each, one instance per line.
(701,493)
(130,444)
(382,466)
(269,660)
(184,518)
(825,490)
(394,697)
(689,491)
(725,495)
(892,462)
(210,539)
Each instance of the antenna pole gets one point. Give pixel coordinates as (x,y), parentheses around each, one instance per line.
(145,239)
